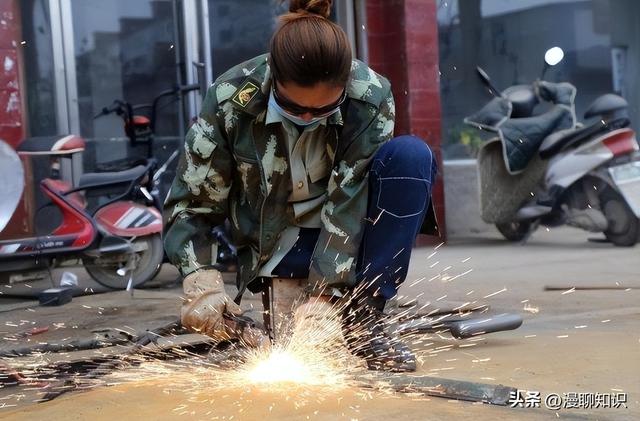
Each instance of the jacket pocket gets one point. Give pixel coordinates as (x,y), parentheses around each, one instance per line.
(248,180)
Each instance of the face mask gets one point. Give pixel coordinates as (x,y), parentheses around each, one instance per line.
(295,119)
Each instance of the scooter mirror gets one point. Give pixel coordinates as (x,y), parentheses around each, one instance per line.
(11,182)
(486,81)
(484,77)
(553,56)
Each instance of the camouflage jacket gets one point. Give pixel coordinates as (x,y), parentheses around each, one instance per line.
(234,166)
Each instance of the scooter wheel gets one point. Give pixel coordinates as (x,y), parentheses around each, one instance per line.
(623,225)
(148,265)
(514,231)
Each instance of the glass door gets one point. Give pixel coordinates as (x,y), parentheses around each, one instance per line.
(240,30)
(123,50)
(120,50)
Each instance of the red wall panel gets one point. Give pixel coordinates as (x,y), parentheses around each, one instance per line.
(403,45)
(11,109)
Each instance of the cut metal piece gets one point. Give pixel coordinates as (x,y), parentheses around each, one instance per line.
(589,287)
(443,388)
(280,298)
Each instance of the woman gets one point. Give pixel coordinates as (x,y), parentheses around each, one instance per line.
(296,149)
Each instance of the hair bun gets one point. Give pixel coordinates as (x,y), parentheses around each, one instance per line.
(316,7)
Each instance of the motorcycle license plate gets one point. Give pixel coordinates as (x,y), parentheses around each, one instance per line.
(627,178)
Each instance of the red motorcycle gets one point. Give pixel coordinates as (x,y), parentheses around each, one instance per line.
(102,222)
(110,220)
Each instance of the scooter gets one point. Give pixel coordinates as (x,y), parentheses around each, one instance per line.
(547,169)
(118,240)
(110,220)
(140,129)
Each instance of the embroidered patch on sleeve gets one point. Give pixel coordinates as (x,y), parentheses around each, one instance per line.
(245,94)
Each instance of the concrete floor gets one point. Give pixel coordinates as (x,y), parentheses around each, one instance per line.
(571,340)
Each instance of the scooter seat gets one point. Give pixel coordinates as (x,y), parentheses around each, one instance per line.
(563,139)
(117,177)
(606,105)
(51,145)
(554,142)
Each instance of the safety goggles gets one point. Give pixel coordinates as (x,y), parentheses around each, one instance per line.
(296,109)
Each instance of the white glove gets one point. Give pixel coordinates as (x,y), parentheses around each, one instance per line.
(205,303)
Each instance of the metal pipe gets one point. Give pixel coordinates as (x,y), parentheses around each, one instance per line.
(362,42)
(60,82)
(177,48)
(66,16)
(190,26)
(205,33)
(438,387)
(345,17)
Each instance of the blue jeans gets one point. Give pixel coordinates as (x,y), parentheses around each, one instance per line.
(400,179)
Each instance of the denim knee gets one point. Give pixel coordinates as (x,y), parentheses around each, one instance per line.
(401,177)
(405,156)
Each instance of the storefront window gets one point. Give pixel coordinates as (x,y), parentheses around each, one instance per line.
(123,50)
(508,39)
(240,30)
(38,68)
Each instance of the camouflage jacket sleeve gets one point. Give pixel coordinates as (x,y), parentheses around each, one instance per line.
(343,214)
(197,201)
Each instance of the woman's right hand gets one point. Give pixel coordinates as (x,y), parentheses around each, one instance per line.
(205,303)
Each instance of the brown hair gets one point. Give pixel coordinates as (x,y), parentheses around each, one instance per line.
(307,48)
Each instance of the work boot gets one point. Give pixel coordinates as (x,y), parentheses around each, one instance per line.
(365,336)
